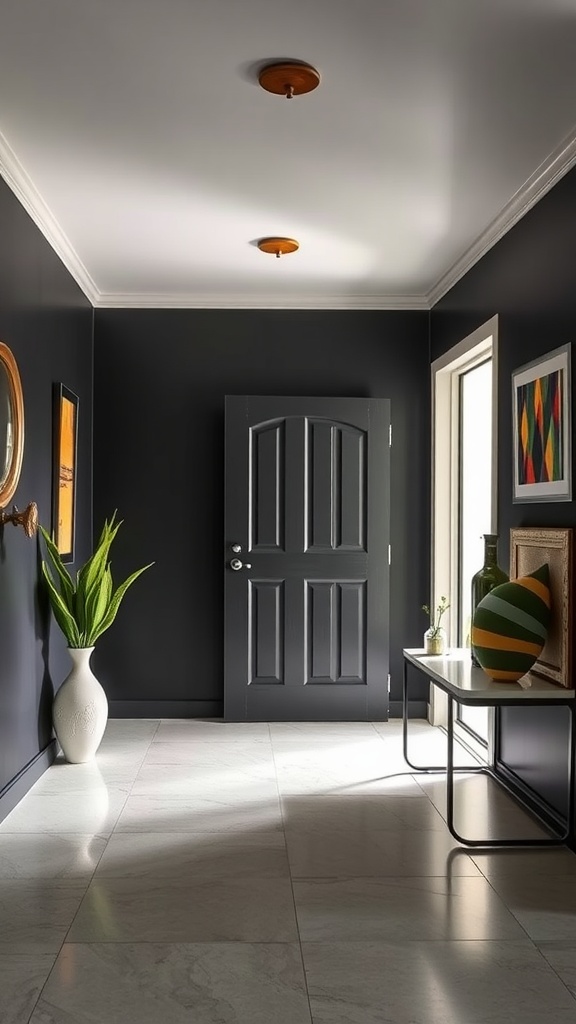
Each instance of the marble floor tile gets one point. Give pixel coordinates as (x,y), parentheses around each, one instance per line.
(199,755)
(213,730)
(194,856)
(532,863)
(433,983)
(401,909)
(340,781)
(251,783)
(367,755)
(181,910)
(360,854)
(202,752)
(43,855)
(213,813)
(562,958)
(78,812)
(545,906)
(22,977)
(131,730)
(148,983)
(360,813)
(282,730)
(35,915)
(92,776)
(482,808)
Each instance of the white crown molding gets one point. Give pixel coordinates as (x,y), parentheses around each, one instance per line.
(24,189)
(161,300)
(560,161)
(538,184)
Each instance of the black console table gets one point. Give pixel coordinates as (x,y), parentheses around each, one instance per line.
(463,683)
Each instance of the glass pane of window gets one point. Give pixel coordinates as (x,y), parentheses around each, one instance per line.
(475,503)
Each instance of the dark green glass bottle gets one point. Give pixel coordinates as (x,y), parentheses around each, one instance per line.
(488,577)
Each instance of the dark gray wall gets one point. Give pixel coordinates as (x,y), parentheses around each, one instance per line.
(528,279)
(160,381)
(47,322)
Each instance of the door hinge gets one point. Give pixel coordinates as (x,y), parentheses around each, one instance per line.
(389,554)
(390,436)
(388,682)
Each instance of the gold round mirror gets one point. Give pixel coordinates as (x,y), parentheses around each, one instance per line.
(11,425)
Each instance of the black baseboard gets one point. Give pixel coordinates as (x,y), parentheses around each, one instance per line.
(165,709)
(23,782)
(416,709)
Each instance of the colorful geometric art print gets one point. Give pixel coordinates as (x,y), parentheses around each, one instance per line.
(540,441)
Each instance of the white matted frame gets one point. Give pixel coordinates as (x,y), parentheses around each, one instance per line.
(542,428)
(529,549)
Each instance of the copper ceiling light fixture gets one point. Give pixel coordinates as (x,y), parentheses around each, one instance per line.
(278,246)
(289,78)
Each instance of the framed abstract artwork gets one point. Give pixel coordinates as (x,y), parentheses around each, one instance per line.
(541,428)
(64,470)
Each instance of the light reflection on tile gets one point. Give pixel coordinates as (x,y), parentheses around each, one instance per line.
(43,855)
(211,730)
(180,910)
(390,909)
(195,856)
(545,906)
(35,915)
(359,854)
(151,983)
(433,983)
(199,832)
(561,956)
(482,809)
(95,812)
(215,813)
(360,813)
(22,977)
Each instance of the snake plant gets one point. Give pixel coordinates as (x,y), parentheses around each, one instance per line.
(84,608)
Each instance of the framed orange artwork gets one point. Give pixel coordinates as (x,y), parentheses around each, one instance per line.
(64,482)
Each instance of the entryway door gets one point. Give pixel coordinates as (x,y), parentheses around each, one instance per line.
(307,509)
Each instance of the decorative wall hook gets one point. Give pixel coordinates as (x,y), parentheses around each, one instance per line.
(28,519)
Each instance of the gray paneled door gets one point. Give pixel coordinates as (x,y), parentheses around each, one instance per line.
(306,596)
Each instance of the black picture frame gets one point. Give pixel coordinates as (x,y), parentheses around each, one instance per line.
(64,470)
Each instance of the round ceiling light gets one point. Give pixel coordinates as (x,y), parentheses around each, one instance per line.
(278,246)
(289,78)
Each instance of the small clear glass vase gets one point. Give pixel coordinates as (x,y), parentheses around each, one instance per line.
(435,640)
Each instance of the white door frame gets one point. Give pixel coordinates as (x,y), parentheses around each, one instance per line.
(446,370)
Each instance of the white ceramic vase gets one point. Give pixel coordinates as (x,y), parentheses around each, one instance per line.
(80,710)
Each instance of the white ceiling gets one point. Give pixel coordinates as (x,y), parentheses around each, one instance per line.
(135,133)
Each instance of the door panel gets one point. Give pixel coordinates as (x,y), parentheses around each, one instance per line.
(306,617)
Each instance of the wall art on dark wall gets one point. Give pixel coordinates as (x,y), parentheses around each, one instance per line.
(65,470)
(542,428)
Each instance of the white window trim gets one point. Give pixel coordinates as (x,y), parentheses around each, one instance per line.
(481,344)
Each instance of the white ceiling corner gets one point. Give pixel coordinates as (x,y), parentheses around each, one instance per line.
(431,134)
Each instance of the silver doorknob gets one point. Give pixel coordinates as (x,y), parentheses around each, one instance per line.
(236,564)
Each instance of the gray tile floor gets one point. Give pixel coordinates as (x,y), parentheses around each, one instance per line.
(203,873)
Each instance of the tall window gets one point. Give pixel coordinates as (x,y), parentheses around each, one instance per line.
(464,491)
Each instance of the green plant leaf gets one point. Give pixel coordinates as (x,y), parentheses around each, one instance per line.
(86,608)
(115,603)
(98,602)
(63,617)
(66,581)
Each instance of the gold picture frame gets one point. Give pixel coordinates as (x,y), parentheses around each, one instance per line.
(64,470)
(529,549)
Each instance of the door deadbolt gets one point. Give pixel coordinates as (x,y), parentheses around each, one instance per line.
(236,548)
